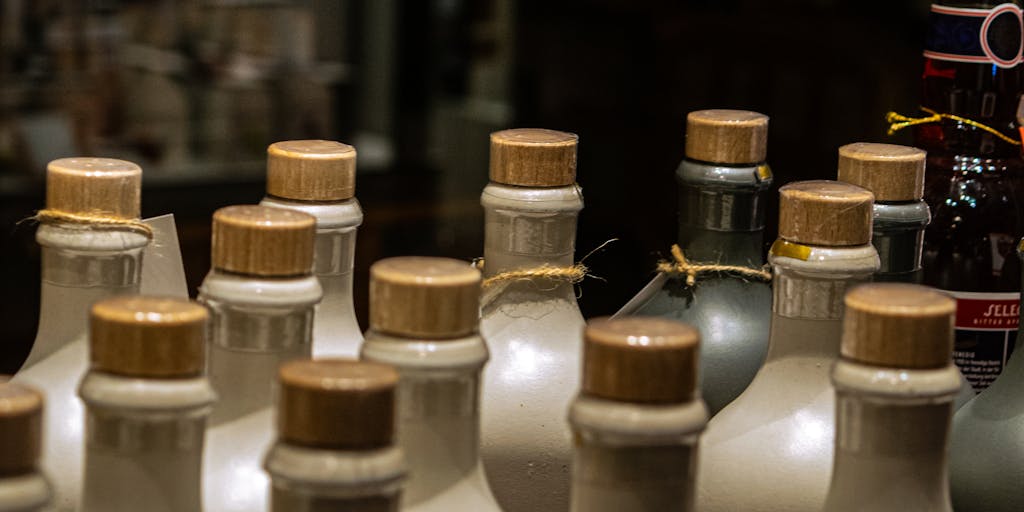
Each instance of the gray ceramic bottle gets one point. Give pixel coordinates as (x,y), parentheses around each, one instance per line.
(722,185)
(987,453)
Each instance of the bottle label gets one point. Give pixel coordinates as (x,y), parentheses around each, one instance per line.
(986,328)
(983,36)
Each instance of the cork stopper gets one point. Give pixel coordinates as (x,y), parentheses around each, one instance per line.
(890,172)
(337,403)
(898,325)
(828,213)
(424,297)
(727,136)
(94,186)
(263,241)
(21,425)
(533,157)
(154,337)
(311,170)
(640,359)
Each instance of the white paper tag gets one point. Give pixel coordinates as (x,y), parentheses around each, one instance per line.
(162,271)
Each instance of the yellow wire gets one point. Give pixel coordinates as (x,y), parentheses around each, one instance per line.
(898,122)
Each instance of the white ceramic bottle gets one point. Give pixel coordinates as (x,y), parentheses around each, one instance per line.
(424,317)
(147,401)
(637,418)
(895,383)
(987,456)
(82,262)
(318,177)
(771,449)
(723,190)
(261,294)
(23,488)
(335,448)
(533,326)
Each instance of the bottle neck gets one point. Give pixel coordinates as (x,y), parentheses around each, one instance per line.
(648,462)
(527,228)
(311,479)
(146,435)
(438,407)
(80,267)
(809,283)
(891,444)
(255,325)
(898,236)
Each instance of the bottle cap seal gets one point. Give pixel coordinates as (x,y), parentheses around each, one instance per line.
(263,241)
(727,136)
(827,213)
(533,157)
(94,186)
(21,425)
(311,170)
(427,297)
(890,172)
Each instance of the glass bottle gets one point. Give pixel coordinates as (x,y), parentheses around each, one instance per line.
(318,177)
(424,318)
(895,384)
(147,401)
(722,184)
(774,442)
(335,449)
(637,418)
(986,456)
(973,179)
(261,294)
(533,327)
(23,487)
(82,263)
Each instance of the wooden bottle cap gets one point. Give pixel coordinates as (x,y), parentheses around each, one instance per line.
(898,325)
(419,296)
(533,157)
(311,170)
(141,336)
(95,186)
(890,172)
(727,136)
(640,359)
(263,241)
(337,403)
(829,213)
(21,425)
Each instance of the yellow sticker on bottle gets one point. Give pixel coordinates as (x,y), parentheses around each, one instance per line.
(764,172)
(786,249)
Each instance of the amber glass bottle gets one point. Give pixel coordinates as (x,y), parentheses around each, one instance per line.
(973,179)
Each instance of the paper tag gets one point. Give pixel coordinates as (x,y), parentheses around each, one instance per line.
(162,270)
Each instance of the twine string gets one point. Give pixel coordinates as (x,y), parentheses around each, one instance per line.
(681,266)
(96,220)
(898,122)
(572,274)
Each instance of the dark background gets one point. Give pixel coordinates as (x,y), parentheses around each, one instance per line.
(194,91)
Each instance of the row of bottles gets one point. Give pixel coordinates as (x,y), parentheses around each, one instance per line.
(476,427)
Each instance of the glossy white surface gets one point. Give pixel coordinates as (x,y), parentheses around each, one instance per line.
(24,493)
(243,369)
(144,443)
(775,442)
(892,436)
(534,331)
(635,457)
(314,480)
(336,332)
(438,419)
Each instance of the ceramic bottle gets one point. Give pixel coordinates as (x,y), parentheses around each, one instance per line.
(774,442)
(82,262)
(895,383)
(986,456)
(533,327)
(637,418)
(147,400)
(335,449)
(318,177)
(424,318)
(722,186)
(261,294)
(23,487)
